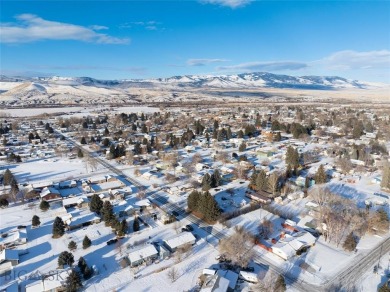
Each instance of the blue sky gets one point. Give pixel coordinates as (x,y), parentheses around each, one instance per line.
(147,39)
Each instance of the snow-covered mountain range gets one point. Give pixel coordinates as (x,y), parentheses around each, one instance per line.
(71,89)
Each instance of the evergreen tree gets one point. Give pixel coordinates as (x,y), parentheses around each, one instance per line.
(240,134)
(106,142)
(288,171)
(292,157)
(192,200)
(88,272)
(80,153)
(82,264)
(206,182)
(4,203)
(211,210)
(73,282)
(107,212)
(8,177)
(86,242)
(65,258)
(106,132)
(58,227)
(280,284)
(261,181)
(136,224)
(216,125)
(35,221)
(72,245)
(216,179)
(350,242)
(320,176)
(83,141)
(96,204)
(252,183)
(242,147)
(44,205)
(228,133)
(123,227)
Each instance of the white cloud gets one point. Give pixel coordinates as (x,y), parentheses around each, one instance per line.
(228,3)
(98,27)
(353,60)
(32,28)
(148,25)
(265,66)
(203,62)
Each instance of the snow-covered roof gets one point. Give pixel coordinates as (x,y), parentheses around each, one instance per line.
(107,186)
(180,240)
(144,252)
(215,283)
(49,190)
(74,200)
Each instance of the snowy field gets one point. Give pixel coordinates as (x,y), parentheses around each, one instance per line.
(73,111)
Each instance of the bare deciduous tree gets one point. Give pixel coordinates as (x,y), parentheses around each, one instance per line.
(173,274)
(238,247)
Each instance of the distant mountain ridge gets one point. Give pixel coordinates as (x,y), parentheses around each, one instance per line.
(244,80)
(185,88)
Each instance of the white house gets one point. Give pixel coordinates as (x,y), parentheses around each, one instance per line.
(143,254)
(180,240)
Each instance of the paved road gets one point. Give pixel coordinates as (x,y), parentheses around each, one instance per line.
(345,278)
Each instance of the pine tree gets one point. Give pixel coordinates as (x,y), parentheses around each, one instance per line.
(252,183)
(86,242)
(65,258)
(216,179)
(193,200)
(288,171)
(211,210)
(58,227)
(136,224)
(88,272)
(72,245)
(292,157)
(240,134)
(261,181)
(4,203)
(107,212)
(8,177)
(350,242)
(44,205)
(206,182)
(73,282)
(320,176)
(123,227)
(35,221)
(96,204)
(80,153)
(242,147)
(83,141)
(82,264)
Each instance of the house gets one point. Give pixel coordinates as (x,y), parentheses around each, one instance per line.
(289,245)
(258,197)
(101,179)
(8,259)
(80,202)
(180,240)
(141,255)
(82,220)
(106,186)
(13,238)
(50,194)
(215,283)
(284,250)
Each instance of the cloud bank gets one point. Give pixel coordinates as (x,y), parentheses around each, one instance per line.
(31,28)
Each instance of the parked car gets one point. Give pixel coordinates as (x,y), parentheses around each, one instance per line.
(22,227)
(175,213)
(184,229)
(189,227)
(112,241)
(248,269)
